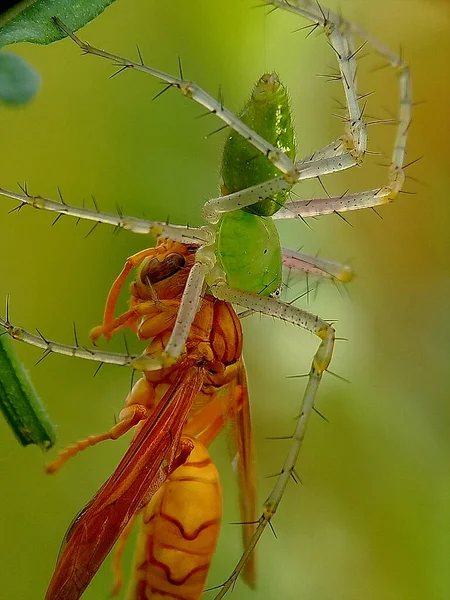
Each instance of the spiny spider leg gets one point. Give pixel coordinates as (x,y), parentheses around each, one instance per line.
(321,360)
(340,32)
(156,229)
(193,91)
(316,207)
(314,265)
(212,209)
(50,347)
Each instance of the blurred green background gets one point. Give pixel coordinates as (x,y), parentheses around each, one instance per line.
(371,520)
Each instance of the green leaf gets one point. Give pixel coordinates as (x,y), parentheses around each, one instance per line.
(20,403)
(34,23)
(18,80)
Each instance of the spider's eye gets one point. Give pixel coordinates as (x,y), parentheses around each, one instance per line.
(155,270)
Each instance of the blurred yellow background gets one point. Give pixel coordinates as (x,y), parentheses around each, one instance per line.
(371,520)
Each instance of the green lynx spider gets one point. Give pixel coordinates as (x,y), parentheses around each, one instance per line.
(343,153)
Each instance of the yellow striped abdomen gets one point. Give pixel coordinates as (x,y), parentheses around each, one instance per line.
(179,532)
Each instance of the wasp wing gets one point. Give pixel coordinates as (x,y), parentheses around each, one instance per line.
(143,469)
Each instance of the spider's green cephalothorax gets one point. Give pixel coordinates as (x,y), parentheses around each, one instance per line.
(256,265)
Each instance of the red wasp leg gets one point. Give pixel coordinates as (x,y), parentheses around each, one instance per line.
(111,301)
(129,417)
(161,313)
(125,320)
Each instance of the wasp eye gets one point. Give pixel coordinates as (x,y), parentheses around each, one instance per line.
(155,270)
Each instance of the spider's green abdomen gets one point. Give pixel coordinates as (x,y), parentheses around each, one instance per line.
(268,113)
(248,248)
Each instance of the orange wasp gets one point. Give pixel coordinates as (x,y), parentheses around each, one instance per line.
(166,474)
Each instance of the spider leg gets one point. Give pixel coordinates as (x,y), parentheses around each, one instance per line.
(157,229)
(316,207)
(314,265)
(307,169)
(50,347)
(325,332)
(340,34)
(194,92)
